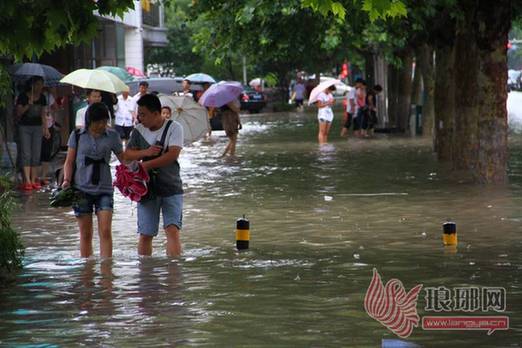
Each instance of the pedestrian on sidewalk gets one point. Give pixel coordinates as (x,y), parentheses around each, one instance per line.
(89,151)
(32,126)
(125,116)
(157,142)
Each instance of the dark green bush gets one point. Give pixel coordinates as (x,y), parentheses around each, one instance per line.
(11,247)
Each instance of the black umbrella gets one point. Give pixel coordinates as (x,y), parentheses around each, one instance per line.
(23,71)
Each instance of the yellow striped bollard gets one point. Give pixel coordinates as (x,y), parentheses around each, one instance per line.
(242,233)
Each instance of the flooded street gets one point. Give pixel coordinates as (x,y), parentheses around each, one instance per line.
(321,219)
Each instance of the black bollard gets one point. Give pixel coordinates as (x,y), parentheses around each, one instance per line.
(242,233)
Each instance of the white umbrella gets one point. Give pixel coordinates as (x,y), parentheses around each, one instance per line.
(192,116)
(320,88)
(96,79)
(255,82)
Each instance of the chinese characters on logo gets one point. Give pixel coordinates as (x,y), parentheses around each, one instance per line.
(395,309)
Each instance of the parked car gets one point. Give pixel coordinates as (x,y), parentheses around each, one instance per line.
(514,83)
(252,100)
(164,85)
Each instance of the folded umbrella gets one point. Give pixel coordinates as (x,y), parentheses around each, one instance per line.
(192,116)
(221,93)
(96,79)
(65,197)
(131,180)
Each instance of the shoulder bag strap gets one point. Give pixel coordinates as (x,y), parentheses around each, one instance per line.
(164,134)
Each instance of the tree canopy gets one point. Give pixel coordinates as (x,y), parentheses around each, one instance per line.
(34,27)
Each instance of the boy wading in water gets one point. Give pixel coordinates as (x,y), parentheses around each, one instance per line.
(90,150)
(158,143)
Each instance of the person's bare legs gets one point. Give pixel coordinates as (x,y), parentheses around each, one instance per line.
(35,172)
(173,241)
(231,146)
(226,150)
(145,245)
(327,131)
(322,136)
(233,141)
(27,174)
(85,225)
(105,233)
(344,130)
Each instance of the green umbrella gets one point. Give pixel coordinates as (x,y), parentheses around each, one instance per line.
(120,72)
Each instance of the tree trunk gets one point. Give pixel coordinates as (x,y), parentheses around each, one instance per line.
(444,102)
(464,152)
(404,91)
(481,125)
(393,86)
(369,69)
(494,23)
(425,61)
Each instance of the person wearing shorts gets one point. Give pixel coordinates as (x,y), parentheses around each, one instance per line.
(325,115)
(90,149)
(157,142)
(231,125)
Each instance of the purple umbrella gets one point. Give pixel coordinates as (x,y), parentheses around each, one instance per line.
(221,93)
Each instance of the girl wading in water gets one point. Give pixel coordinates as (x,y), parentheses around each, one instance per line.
(325,115)
(90,151)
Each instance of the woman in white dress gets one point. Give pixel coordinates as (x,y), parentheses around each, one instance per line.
(325,115)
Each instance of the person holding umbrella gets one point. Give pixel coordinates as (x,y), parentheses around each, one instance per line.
(224,95)
(325,115)
(31,111)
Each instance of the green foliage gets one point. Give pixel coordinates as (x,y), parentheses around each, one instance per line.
(376,9)
(325,7)
(274,36)
(34,27)
(384,9)
(270,80)
(5,85)
(11,247)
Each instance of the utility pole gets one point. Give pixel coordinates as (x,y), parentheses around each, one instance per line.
(244,71)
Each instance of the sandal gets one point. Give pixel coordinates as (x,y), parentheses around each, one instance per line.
(25,187)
